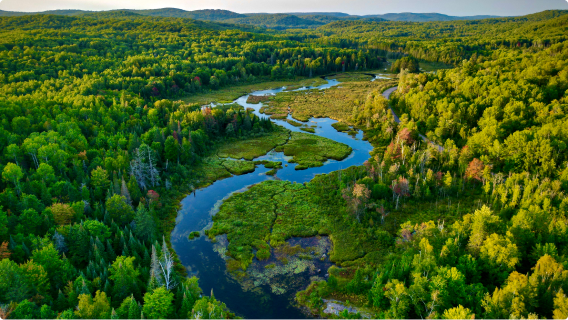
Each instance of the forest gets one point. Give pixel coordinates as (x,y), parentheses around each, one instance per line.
(459,212)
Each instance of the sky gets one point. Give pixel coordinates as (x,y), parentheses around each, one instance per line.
(359,7)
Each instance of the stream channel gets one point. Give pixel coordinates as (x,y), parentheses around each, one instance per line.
(202,257)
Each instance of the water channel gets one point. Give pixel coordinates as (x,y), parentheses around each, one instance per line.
(201,256)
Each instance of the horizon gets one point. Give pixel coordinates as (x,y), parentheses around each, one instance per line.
(446,7)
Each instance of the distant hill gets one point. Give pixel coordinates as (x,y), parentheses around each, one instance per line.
(107,14)
(424,17)
(56,12)
(207,14)
(278,21)
(330,14)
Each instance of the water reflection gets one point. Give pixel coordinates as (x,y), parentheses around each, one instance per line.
(199,255)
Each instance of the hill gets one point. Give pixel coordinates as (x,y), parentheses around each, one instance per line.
(424,17)
(278,21)
(207,14)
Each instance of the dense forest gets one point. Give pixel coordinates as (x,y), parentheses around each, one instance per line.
(461,210)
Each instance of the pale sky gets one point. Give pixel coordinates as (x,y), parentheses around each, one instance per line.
(360,7)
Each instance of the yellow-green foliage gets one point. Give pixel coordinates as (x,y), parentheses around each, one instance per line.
(312,151)
(255,147)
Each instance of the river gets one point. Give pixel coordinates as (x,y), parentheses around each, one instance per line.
(200,257)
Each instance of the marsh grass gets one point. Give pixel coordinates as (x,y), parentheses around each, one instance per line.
(294,123)
(257,99)
(193,235)
(255,147)
(341,126)
(310,130)
(211,169)
(239,167)
(335,102)
(229,94)
(312,151)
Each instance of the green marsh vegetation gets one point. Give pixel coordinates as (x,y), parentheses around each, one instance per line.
(238,167)
(255,147)
(193,235)
(231,93)
(312,151)
(256,99)
(310,130)
(341,126)
(335,103)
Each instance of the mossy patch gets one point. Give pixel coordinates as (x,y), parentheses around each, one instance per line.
(254,147)
(312,151)
(193,235)
(341,126)
(335,102)
(269,164)
(257,99)
(211,169)
(310,130)
(247,218)
(270,211)
(294,123)
(238,167)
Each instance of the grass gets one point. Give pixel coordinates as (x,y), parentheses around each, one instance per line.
(247,219)
(193,235)
(229,94)
(269,212)
(310,130)
(257,99)
(312,151)
(238,167)
(294,123)
(335,102)
(341,126)
(210,170)
(254,147)
(275,165)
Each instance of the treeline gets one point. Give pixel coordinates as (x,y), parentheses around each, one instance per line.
(449,41)
(153,59)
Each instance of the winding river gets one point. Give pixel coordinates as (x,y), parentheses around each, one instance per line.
(201,256)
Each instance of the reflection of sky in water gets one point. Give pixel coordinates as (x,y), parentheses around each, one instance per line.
(196,209)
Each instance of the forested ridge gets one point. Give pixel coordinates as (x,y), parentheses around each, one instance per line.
(98,149)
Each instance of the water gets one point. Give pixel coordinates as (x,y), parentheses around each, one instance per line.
(382,76)
(199,255)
